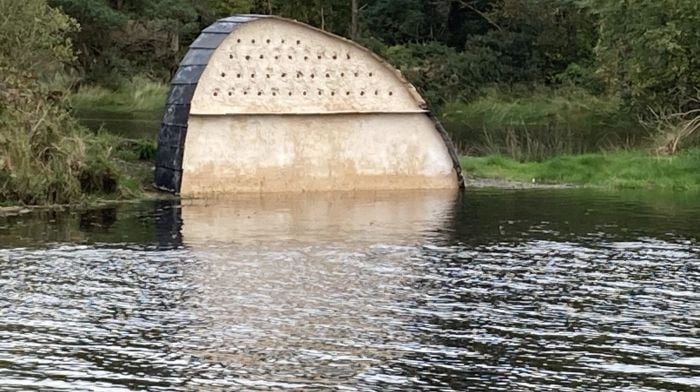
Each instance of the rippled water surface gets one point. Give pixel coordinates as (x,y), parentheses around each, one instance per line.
(492,290)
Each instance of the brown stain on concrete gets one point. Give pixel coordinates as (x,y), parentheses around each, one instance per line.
(283,107)
(226,154)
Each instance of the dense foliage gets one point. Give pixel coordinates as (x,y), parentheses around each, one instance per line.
(528,78)
(45,157)
(645,51)
(649,50)
(118,38)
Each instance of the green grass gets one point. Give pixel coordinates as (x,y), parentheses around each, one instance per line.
(138,95)
(540,123)
(627,169)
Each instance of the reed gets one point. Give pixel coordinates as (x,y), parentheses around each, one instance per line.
(539,124)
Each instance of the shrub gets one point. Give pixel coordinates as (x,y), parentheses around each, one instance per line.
(45,156)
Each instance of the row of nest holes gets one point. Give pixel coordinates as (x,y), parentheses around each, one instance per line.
(304,93)
(299,75)
(268,41)
(290,57)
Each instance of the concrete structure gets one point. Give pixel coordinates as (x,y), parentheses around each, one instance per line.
(264,104)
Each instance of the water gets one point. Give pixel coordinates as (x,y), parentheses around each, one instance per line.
(134,125)
(495,290)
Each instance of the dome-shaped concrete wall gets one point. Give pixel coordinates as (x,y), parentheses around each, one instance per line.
(264,104)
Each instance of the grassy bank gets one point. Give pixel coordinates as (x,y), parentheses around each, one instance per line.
(628,169)
(138,95)
(535,124)
(84,168)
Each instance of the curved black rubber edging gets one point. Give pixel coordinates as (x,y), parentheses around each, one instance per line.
(173,130)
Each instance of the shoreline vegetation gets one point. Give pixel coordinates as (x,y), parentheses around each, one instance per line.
(597,93)
(540,159)
(633,169)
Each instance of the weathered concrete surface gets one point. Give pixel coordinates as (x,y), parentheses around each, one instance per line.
(278,66)
(264,104)
(225,154)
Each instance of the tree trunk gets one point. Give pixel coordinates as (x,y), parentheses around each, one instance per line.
(353,27)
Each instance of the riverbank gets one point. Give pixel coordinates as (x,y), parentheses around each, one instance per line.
(616,170)
(101,168)
(540,123)
(553,128)
(140,95)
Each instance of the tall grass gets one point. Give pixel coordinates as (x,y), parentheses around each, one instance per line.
(138,95)
(47,158)
(539,124)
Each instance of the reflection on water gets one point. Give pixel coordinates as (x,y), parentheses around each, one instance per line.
(353,219)
(134,125)
(507,290)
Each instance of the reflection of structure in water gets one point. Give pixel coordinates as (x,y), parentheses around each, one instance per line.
(306,281)
(318,218)
(264,104)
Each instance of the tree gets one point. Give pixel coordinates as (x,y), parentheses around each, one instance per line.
(331,15)
(537,39)
(396,22)
(649,51)
(122,37)
(212,10)
(37,157)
